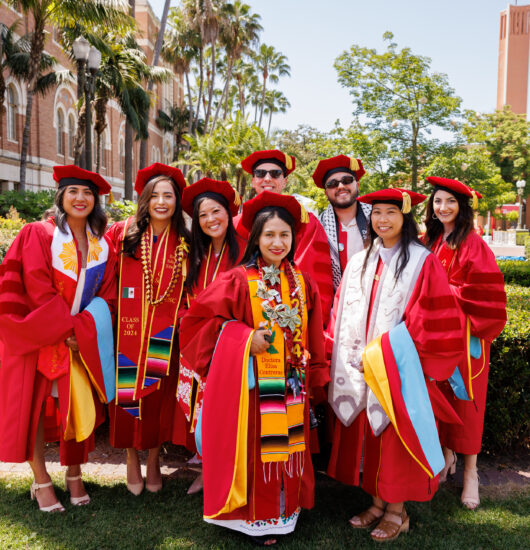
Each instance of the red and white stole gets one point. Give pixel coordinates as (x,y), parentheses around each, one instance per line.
(145,331)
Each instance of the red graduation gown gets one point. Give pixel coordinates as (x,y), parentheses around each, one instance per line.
(389,472)
(312,256)
(478,285)
(33,314)
(162,420)
(225,299)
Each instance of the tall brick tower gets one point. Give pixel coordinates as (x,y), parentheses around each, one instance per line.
(514,48)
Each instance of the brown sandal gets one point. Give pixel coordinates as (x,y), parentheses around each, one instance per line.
(367,518)
(391,528)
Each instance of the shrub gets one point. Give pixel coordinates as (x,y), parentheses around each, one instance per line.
(507,422)
(117,210)
(520,237)
(516,272)
(527,248)
(30,205)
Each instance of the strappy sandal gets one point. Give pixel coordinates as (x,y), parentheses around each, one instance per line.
(76,501)
(57,507)
(367,518)
(196,486)
(471,502)
(449,468)
(391,528)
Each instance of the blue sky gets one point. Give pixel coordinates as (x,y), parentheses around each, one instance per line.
(460,36)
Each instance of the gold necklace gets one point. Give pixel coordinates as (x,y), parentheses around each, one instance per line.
(148,273)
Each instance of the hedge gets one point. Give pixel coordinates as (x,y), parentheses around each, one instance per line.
(507,422)
(527,248)
(29,205)
(516,272)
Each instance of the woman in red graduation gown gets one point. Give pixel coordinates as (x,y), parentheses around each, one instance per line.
(395,326)
(478,286)
(57,298)
(255,419)
(152,254)
(215,248)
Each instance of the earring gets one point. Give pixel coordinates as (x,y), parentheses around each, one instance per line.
(434,216)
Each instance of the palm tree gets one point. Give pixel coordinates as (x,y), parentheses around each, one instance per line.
(175,122)
(275,102)
(272,65)
(247,81)
(240,32)
(61,13)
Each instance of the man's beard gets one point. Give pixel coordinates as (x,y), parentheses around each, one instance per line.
(344,205)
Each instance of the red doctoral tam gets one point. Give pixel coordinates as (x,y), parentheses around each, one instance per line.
(457,187)
(260,157)
(73,175)
(268,198)
(158,169)
(326,167)
(405,196)
(215,186)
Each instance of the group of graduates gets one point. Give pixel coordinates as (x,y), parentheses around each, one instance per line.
(226,336)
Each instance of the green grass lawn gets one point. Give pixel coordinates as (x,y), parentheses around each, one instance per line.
(117,520)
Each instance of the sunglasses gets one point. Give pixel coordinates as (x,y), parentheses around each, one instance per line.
(345,180)
(274,174)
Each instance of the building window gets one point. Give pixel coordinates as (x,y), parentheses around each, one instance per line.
(122,156)
(71,136)
(167,152)
(12,113)
(60,132)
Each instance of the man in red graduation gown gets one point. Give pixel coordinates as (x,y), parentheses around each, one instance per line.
(344,221)
(269,171)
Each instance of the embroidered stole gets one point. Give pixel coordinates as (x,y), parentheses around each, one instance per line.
(145,332)
(281,413)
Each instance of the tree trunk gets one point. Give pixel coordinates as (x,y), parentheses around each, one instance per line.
(80,137)
(223,95)
(98,152)
(210,90)
(156,57)
(270,120)
(201,80)
(128,188)
(262,99)
(414,182)
(241,96)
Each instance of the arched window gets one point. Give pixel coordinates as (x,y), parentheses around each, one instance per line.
(122,156)
(60,132)
(71,136)
(167,152)
(12,101)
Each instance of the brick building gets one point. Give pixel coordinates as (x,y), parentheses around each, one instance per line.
(54,118)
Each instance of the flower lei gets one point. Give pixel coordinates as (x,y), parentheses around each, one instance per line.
(287,317)
(148,272)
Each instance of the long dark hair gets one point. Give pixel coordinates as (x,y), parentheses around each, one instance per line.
(409,234)
(263,216)
(141,219)
(97,219)
(463,221)
(200,241)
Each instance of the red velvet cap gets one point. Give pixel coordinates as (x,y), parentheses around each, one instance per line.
(340,161)
(206,184)
(407,197)
(268,198)
(71,172)
(158,169)
(454,185)
(288,161)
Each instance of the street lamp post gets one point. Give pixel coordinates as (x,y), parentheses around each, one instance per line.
(94,61)
(81,49)
(520,190)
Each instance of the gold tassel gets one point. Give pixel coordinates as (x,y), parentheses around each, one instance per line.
(237,198)
(304,216)
(407,203)
(111,197)
(354,165)
(288,162)
(475,200)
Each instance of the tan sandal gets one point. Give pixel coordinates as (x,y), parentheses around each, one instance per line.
(57,507)
(76,501)
(471,501)
(367,518)
(391,529)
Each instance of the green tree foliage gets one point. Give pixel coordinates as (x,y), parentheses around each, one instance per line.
(474,167)
(506,136)
(399,96)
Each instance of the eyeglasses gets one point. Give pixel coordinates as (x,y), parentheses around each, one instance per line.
(274,174)
(345,180)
